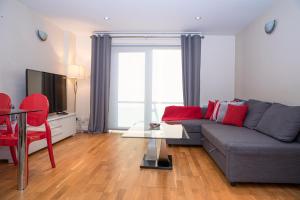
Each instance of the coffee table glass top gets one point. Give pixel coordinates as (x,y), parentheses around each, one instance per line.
(165,131)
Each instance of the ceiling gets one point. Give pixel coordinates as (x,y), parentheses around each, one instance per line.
(86,16)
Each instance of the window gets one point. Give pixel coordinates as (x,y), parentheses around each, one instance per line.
(144,80)
(166,80)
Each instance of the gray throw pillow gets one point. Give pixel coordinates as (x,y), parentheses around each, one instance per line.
(256,110)
(223,109)
(281,122)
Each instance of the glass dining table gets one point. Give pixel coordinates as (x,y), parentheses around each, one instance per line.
(22,177)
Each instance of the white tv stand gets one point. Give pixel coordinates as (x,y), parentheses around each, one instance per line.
(62,126)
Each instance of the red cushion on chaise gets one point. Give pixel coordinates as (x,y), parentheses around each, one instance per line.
(175,113)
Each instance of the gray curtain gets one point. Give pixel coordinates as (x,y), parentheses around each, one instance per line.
(100,83)
(191,62)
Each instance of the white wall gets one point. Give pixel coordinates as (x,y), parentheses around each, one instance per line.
(217,70)
(268,66)
(83,58)
(20,48)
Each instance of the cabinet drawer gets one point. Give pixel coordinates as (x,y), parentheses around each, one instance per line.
(55,124)
(57,131)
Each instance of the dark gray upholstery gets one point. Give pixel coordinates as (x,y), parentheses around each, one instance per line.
(218,157)
(256,109)
(203,111)
(193,127)
(263,164)
(195,139)
(281,122)
(245,155)
(223,136)
(298,138)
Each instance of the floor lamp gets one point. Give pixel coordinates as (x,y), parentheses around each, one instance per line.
(75,72)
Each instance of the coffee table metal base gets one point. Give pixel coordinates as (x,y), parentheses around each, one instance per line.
(156,164)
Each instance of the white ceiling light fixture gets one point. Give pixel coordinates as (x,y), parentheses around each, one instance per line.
(198,18)
(106,18)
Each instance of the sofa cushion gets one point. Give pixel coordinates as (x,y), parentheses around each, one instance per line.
(216,110)
(281,122)
(235,115)
(222,111)
(210,109)
(256,109)
(194,126)
(223,137)
(224,107)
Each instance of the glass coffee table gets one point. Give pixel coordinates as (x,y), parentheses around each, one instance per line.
(156,156)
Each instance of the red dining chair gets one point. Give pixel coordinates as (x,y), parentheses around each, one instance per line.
(38,102)
(7,137)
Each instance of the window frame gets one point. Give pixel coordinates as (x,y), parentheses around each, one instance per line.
(113,104)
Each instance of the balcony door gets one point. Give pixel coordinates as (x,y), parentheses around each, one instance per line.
(144,80)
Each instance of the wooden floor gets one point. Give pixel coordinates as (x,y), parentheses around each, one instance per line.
(107,167)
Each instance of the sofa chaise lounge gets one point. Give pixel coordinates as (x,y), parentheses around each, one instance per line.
(245,154)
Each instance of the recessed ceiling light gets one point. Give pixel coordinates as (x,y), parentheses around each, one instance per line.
(198,18)
(106,18)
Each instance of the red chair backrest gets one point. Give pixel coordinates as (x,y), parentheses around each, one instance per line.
(5,105)
(36,102)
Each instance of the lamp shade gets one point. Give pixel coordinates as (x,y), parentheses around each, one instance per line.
(76,72)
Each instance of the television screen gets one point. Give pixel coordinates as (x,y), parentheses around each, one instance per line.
(53,86)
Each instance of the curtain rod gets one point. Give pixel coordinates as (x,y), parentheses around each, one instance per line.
(146,34)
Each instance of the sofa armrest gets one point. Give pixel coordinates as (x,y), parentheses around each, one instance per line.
(203,110)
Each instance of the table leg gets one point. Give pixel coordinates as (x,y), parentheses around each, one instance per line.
(163,158)
(22,152)
(151,153)
(157,156)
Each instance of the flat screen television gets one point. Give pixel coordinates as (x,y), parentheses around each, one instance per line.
(53,86)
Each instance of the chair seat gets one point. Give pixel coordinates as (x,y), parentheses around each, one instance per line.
(4,131)
(8,140)
(35,135)
(11,139)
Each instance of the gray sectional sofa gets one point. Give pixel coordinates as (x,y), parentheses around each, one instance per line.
(266,150)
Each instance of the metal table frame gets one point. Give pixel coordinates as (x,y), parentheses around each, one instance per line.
(22,174)
(22,168)
(156,156)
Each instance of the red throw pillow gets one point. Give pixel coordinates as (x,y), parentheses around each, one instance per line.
(235,115)
(210,109)
(175,113)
